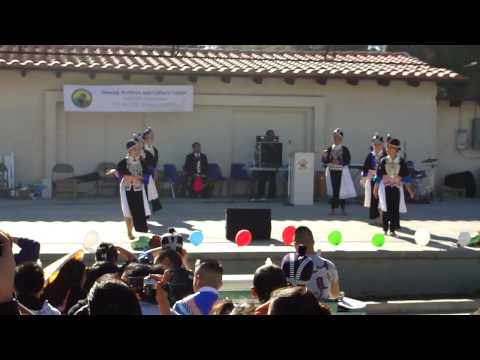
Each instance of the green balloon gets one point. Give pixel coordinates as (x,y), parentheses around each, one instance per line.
(378,240)
(335,238)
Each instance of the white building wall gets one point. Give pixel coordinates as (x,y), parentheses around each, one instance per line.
(452,160)
(408,113)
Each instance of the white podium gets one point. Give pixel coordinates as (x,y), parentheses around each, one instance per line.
(301,178)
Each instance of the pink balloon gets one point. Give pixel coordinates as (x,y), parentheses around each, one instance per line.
(243,238)
(287,235)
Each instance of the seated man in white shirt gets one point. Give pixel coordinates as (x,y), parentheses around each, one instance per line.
(324,282)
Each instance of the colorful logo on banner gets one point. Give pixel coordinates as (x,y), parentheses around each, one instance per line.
(82,98)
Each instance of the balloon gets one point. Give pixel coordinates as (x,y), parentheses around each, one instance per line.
(243,238)
(288,234)
(196,237)
(335,238)
(91,241)
(463,238)
(378,240)
(422,237)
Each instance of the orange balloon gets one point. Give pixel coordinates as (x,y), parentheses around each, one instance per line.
(243,238)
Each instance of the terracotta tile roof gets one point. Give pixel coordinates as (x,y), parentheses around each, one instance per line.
(160,60)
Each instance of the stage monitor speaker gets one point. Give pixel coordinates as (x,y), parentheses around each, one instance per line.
(464,180)
(258,221)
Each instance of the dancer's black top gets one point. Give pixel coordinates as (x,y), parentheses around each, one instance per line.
(389,167)
(345,156)
(152,159)
(372,161)
(122,170)
(192,167)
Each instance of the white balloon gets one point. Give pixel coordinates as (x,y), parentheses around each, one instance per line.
(463,238)
(91,241)
(422,237)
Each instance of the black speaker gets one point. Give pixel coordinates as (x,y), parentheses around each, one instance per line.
(269,154)
(464,180)
(258,221)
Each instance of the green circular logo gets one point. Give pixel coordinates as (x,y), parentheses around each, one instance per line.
(82,98)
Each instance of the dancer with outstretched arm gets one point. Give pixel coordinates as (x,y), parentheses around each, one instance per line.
(133,174)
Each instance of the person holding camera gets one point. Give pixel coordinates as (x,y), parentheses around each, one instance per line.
(171,240)
(206,283)
(181,279)
(136,277)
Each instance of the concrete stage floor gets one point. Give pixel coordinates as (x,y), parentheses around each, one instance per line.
(60,225)
(395,269)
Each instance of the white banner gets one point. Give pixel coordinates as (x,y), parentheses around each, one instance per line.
(128,98)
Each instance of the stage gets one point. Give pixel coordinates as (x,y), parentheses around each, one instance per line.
(398,269)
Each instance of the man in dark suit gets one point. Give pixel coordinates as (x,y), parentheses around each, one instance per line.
(196,164)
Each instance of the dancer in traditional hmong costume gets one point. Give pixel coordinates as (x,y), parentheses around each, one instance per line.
(151,156)
(376,154)
(133,174)
(338,178)
(392,175)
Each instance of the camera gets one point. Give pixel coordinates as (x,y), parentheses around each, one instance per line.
(148,282)
(149,286)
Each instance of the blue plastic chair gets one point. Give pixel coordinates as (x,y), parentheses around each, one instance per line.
(238,172)
(170,172)
(215,173)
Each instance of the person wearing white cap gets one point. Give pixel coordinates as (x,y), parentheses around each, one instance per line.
(372,160)
(338,178)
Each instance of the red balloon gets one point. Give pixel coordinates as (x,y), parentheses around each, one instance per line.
(243,238)
(287,235)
